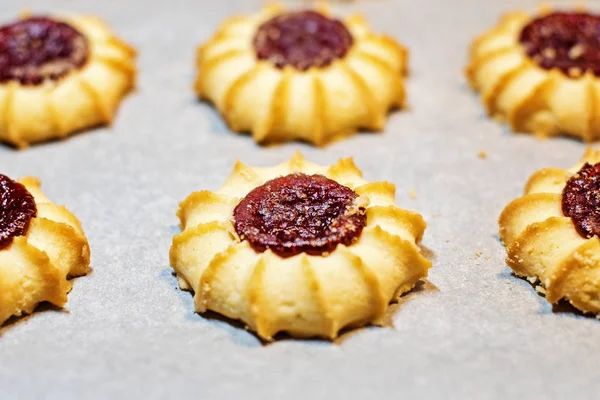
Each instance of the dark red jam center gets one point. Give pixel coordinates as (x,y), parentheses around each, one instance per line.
(581,200)
(302,39)
(17,207)
(36,49)
(567,41)
(299,213)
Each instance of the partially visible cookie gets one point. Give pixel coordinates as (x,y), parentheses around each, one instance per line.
(552,233)
(541,73)
(60,75)
(301,75)
(298,247)
(42,245)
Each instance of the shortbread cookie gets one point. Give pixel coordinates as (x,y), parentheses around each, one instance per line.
(299,247)
(286,75)
(59,75)
(41,246)
(551,233)
(541,73)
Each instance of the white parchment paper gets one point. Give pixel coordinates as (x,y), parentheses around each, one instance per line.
(473,332)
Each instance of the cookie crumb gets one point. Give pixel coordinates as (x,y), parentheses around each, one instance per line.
(482,154)
(540,289)
(576,51)
(549,52)
(412,194)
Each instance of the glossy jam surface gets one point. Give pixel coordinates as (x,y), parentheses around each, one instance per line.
(17,208)
(302,39)
(581,200)
(567,41)
(38,48)
(299,213)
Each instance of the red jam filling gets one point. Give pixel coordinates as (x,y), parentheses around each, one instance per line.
(17,208)
(581,200)
(302,39)
(299,213)
(567,41)
(38,48)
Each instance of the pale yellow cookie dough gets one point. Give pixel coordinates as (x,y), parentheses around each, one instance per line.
(516,89)
(304,295)
(543,244)
(36,267)
(317,105)
(86,97)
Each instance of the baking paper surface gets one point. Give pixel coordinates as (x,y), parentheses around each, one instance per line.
(473,331)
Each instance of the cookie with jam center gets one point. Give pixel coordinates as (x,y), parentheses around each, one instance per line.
(60,75)
(287,75)
(541,73)
(299,248)
(551,233)
(42,246)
